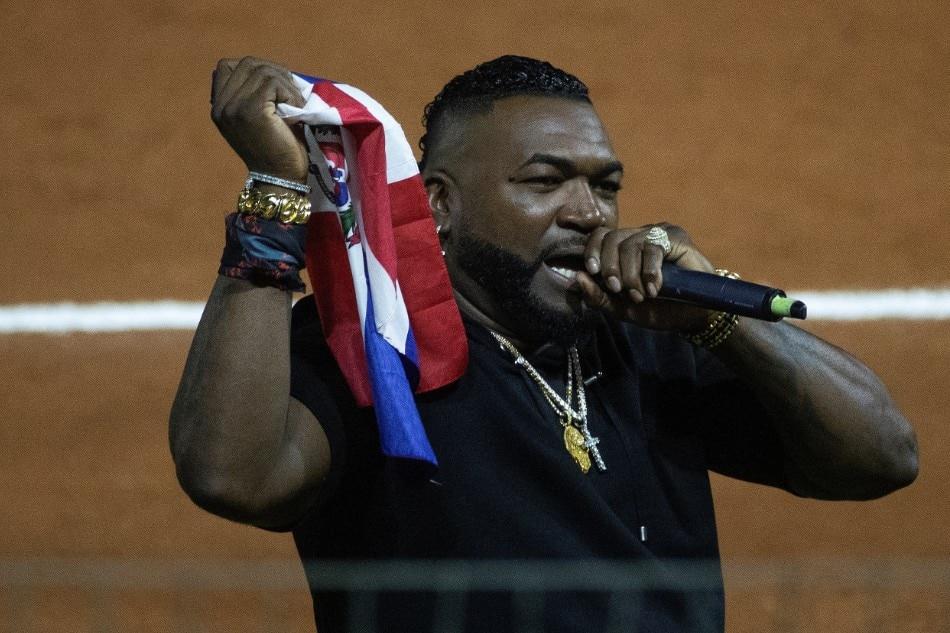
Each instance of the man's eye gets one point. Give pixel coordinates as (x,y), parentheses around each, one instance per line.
(607,189)
(545,181)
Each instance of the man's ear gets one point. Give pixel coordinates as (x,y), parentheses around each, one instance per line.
(437,190)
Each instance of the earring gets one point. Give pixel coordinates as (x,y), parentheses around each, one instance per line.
(438,231)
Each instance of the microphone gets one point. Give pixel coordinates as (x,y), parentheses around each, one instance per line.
(735,296)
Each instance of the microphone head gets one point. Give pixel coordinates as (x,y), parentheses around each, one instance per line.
(786,307)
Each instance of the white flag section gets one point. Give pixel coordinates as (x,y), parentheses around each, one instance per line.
(400,163)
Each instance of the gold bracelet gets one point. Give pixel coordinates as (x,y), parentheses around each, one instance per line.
(289,208)
(720,325)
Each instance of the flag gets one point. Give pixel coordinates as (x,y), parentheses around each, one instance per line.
(381,287)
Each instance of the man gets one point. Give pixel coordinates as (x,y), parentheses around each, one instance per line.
(590,411)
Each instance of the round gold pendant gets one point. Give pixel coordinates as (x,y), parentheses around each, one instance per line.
(574,443)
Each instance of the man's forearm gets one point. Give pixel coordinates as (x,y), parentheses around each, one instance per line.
(842,435)
(228,426)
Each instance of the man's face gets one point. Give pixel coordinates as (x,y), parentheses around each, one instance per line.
(533,178)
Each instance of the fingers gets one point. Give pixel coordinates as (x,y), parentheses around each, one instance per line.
(628,264)
(610,263)
(651,273)
(234,81)
(288,93)
(245,94)
(220,75)
(260,93)
(229,76)
(657,315)
(630,276)
(593,248)
(593,294)
(599,299)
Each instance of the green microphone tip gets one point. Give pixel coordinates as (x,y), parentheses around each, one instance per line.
(786,307)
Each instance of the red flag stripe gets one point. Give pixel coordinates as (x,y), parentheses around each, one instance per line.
(335,295)
(371,165)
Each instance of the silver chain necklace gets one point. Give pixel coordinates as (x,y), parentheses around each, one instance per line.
(578,441)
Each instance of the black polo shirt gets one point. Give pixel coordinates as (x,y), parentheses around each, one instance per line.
(506,488)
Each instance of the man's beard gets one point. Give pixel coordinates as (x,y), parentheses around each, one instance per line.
(508,278)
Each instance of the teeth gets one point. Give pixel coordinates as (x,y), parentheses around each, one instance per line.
(565,272)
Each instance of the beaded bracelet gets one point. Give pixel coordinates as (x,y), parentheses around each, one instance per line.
(720,326)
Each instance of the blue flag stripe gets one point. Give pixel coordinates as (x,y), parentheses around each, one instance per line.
(401,433)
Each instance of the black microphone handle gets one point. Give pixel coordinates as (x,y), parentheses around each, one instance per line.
(717,292)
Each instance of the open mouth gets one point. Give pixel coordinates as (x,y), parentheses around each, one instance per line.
(567,266)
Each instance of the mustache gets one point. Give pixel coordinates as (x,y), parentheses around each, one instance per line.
(573,243)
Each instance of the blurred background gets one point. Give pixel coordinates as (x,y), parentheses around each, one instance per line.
(806,144)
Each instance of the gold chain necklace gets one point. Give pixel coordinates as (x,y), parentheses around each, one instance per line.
(578,441)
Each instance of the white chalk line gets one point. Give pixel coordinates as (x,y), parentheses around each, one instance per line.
(914,304)
(111,316)
(917,304)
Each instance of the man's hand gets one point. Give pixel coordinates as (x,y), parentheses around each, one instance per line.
(629,269)
(244,98)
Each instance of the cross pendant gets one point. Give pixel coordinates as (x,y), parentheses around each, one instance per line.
(590,443)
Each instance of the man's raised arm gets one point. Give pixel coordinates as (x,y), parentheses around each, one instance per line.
(243,448)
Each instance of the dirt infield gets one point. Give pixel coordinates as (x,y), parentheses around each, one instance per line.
(799,143)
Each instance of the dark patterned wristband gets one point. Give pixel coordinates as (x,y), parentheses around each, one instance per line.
(265,252)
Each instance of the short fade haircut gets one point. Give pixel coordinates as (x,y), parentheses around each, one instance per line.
(476,90)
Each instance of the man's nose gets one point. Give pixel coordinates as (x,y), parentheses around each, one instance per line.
(582,210)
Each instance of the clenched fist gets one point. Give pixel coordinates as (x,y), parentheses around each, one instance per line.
(244,98)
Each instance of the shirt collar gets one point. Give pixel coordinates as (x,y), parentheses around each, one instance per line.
(548,356)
